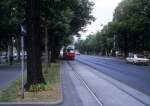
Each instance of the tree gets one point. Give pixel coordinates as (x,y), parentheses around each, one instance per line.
(53,21)
(67,18)
(34,66)
(132,17)
(128,32)
(11,15)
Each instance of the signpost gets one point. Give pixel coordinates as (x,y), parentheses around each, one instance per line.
(23,32)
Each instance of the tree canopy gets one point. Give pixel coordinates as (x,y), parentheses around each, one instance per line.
(128,32)
(50,21)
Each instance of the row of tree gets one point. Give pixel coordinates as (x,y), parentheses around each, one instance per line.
(49,25)
(128,31)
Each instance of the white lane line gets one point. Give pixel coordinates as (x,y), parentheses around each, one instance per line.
(85,84)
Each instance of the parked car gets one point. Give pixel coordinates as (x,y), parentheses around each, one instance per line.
(137,58)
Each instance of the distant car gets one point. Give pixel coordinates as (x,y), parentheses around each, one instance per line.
(77,53)
(137,58)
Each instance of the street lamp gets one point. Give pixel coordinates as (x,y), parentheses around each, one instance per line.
(23,33)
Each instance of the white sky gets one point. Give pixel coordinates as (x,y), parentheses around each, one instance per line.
(103,12)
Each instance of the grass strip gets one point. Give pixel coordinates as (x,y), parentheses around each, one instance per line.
(52,78)
(8,94)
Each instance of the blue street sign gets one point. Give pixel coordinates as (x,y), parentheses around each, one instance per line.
(23,29)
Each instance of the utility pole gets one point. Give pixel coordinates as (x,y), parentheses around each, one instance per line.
(23,32)
(22,67)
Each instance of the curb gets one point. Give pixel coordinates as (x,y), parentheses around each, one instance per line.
(58,102)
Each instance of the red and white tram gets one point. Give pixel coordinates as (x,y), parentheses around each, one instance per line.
(69,52)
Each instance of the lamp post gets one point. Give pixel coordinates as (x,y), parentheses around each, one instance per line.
(23,32)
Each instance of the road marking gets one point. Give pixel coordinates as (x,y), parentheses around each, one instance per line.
(112,82)
(86,85)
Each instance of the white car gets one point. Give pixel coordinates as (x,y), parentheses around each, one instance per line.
(137,58)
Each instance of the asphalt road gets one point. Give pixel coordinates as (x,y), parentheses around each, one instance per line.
(136,76)
(74,92)
(86,86)
(8,74)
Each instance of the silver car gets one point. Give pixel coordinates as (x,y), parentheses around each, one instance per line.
(137,58)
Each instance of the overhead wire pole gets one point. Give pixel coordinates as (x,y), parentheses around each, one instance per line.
(23,32)
(22,67)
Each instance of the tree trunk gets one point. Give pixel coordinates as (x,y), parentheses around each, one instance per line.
(18,48)
(10,50)
(46,47)
(53,54)
(53,49)
(34,66)
(125,46)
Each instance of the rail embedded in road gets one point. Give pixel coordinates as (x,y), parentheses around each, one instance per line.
(86,85)
(83,77)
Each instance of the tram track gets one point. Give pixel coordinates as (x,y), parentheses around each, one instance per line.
(78,76)
(94,94)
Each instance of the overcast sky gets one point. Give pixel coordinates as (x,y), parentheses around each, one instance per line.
(103,12)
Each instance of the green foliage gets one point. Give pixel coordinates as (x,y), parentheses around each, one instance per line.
(67,18)
(59,19)
(128,32)
(133,21)
(39,87)
(12,14)
(52,77)
(100,42)
(11,92)
(63,18)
